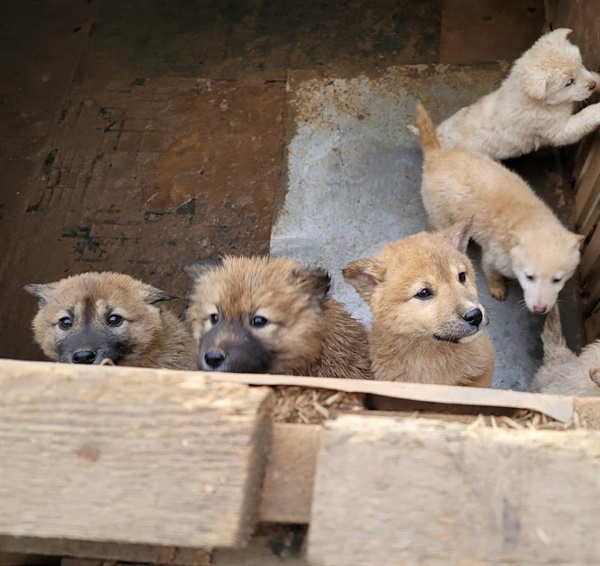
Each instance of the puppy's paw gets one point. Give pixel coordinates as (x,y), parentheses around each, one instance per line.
(497,290)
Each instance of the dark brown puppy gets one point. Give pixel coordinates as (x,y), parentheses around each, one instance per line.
(252,315)
(94,316)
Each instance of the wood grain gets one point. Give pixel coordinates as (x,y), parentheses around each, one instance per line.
(391,491)
(130,455)
(289,479)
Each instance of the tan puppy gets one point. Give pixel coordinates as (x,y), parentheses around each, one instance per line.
(252,315)
(519,235)
(533,107)
(427,319)
(563,373)
(91,317)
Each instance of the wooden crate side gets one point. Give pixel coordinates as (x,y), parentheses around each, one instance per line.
(391,491)
(129,456)
(289,479)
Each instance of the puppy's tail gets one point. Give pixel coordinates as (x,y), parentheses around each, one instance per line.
(429,139)
(555,346)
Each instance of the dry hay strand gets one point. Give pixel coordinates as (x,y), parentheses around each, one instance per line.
(312,406)
(524,419)
(107,362)
(532,420)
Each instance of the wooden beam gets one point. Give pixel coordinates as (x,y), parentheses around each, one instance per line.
(413,491)
(288,487)
(133,456)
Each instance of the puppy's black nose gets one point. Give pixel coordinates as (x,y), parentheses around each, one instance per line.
(592,85)
(214,358)
(84,357)
(473,317)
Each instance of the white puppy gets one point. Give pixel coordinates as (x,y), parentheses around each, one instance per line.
(533,107)
(564,373)
(519,235)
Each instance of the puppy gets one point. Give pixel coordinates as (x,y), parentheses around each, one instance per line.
(533,107)
(91,317)
(519,235)
(563,373)
(427,320)
(252,315)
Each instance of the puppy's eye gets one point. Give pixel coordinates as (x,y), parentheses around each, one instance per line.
(462,276)
(570,82)
(214,318)
(424,294)
(259,321)
(530,277)
(557,280)
(114,320)
(65,323)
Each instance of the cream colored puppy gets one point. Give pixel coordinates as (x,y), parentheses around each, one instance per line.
(520,237)
(563,373)
(533,107)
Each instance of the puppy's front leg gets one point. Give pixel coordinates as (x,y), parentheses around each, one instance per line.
(578,125)
(495,280)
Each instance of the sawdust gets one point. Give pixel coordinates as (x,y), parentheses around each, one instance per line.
(312,406)
(524,419)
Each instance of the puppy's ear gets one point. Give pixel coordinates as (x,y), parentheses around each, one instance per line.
(314,280)
(562,33)
(534,84)
(459,235)
(40,291)
(364,275)
(579,239)
(595,376)
(196,269)
(156,296)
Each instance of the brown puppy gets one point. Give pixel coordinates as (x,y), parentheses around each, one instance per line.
(87,318)
(427,319)
(564,373)
(252,315)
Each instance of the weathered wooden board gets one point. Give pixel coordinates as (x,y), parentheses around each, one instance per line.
(289,479)
(132,456)
(391,491)
(273,545)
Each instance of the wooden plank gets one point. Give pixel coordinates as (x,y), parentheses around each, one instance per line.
(589,215)
(273,545)
(391,491)
(591,257)
(129,455)
(592,324)
(287,494)
(581,156)
(584,187)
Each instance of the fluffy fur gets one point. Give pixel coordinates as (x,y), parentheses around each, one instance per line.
(564,373)
(255,315)
(418,336)
(95,316)
(533,107)
(519,235)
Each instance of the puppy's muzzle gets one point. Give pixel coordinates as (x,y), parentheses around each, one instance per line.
(591,85)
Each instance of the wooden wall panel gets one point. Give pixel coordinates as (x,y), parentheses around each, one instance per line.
(582,17)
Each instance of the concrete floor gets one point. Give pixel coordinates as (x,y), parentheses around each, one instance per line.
(142,135)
